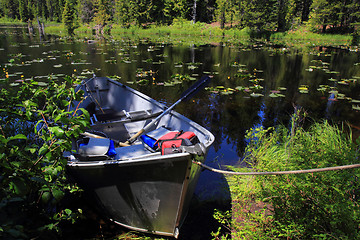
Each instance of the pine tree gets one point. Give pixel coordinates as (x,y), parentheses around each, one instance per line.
(157,12)
(141,11)
(324,13)
(69,16)
(206,11)
(228,11)
(260,15)
(58,10)
(221,12)
(23,11)
(122,12)
(178,9)
(86,10)
(351,18)
(10,8)
(102,14)
(133,12)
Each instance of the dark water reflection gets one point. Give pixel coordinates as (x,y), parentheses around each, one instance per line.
(323,81)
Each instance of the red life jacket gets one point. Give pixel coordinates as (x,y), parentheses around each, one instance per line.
(170,142)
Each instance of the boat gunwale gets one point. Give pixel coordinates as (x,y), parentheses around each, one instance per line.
(141,159)
(168,234)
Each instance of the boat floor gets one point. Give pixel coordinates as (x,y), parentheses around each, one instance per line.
(115,131)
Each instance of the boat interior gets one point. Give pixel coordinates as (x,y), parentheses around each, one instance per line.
(114,120)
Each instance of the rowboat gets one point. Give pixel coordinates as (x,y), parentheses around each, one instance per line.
(136,185)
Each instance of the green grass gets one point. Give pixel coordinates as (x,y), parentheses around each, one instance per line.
(303,206)
(10,21)
(302,36)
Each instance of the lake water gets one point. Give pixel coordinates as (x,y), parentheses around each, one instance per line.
(252,85)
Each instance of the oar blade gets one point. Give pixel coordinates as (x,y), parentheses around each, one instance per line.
(196,87)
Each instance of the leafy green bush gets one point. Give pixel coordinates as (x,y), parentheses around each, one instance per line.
(36,127)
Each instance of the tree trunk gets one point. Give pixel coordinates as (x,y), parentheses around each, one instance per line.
(305,10)
(281,17)
(222,20)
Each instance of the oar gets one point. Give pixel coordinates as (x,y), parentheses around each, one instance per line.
(200,84)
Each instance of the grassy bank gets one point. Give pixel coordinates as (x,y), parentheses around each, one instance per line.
(303,37)
(200,33)
(323,205)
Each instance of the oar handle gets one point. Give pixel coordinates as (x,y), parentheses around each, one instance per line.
(132,139)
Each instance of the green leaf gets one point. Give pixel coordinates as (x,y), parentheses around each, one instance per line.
(32,150)
(59,132)
(58,194)
(18,185)
(16,164)
(18,136)
(68,211)
(43,149)
(45,197)
(50,170)
(38,180)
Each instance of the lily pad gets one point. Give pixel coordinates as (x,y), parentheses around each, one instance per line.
(42,84)
(191,67)
(275,95)
(256,95)
(304,89)
(356,107)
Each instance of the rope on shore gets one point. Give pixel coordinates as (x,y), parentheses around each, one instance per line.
(279,172)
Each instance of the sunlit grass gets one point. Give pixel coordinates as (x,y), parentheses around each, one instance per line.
(303,36)
(295,206)
(186,32)
(10,21)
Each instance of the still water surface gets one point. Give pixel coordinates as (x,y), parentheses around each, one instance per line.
(252,85)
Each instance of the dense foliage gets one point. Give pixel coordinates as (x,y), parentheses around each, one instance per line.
(270,15)
(324,205)
(36,127)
